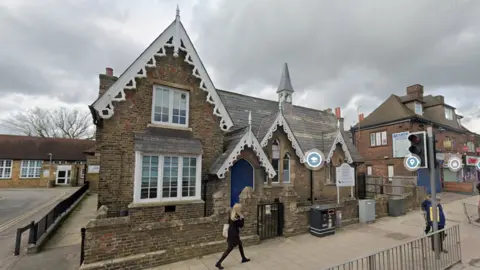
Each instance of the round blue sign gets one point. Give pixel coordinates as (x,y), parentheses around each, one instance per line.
(412,162)
(314,159)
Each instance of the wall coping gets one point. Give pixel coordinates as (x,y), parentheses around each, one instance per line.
(174,223)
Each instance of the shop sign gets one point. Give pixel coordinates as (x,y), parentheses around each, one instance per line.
(471,161)
(465,148)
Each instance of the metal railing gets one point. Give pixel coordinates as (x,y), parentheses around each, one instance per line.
(472,211)
(38,229)
(413,255)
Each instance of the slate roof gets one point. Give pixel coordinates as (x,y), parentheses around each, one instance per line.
(230,141)
(312,128)
(394,109)
(167,141)
(37,148)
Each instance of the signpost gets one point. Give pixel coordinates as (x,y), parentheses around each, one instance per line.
(345,178)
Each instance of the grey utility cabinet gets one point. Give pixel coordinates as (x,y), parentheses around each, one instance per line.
(396,207)
(366,211)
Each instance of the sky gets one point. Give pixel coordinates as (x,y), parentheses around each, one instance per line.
(348,54)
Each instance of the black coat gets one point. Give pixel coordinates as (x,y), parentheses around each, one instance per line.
(234,231)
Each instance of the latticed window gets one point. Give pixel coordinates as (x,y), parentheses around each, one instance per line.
(163,178)
(276,159)
(286,168)
(31,169)
(6,168)
(170,106)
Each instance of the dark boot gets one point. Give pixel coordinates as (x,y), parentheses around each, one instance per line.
(244,259)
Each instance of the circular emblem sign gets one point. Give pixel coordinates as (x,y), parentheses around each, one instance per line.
(412,162)
(455,164)
(314,159)
(478,164)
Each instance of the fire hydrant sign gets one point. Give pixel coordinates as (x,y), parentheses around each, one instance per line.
(345,176)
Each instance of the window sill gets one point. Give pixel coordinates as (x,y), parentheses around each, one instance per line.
(29,178)
(169,126)
(162,203)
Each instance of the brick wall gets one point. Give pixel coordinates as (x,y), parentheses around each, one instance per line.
(380,157)
(42,182)
(134,242)
(115,139)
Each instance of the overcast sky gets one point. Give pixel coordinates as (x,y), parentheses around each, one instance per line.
(348,54)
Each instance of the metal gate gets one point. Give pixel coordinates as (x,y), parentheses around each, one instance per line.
(270,220)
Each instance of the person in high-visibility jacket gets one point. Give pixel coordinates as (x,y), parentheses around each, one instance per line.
(441,221)
(425,208)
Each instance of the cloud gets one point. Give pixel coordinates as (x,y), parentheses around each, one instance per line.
(338,51)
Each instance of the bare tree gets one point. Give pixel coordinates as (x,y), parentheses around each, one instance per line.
(54,123)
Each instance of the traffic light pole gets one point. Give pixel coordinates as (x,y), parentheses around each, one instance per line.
(433,189)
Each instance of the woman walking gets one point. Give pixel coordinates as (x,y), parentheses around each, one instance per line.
(235,223)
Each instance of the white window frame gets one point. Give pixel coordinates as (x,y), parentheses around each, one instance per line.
(138,178)
(4,167)
(369,170)
(287,155)
(27,164)
(170,106)
(418,108)
(379,138)
(390,177)
(449,113)
(276,179)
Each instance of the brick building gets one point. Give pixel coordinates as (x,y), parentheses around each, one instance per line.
(33,161)
(381,137)
(172,147)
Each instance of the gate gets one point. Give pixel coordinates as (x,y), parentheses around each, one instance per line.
(270,220)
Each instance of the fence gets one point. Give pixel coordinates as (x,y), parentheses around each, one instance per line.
(413,255)
(40,228)
(392,186)
(472,211)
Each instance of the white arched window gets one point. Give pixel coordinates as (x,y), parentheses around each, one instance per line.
(286,168)
(275,159)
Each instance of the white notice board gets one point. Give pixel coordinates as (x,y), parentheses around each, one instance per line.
(345,176)
(400,144)
(93,168)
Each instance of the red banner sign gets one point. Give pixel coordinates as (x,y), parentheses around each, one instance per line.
(471,161)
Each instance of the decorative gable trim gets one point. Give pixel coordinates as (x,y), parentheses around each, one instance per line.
(281,121)
(339,139)
(251,141)
(174,36)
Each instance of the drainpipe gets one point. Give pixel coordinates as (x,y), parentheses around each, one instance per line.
(311,186)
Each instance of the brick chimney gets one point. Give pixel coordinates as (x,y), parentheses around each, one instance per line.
(415,91)
(106,80)
(440,98)
(341,125)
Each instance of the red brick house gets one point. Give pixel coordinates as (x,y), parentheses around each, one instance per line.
(176,150)
(381,138)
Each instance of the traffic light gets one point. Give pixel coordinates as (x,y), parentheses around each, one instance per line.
(418,147)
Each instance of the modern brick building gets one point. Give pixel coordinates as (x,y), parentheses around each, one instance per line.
(173,148)
(34,161)
(381,137)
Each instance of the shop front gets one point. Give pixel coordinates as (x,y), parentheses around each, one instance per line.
(464,180)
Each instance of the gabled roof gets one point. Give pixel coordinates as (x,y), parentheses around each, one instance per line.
(345,140)
(390,110)
(38,148)
(174,36)
(235,142)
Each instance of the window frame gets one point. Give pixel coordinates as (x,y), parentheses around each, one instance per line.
(3,166)
(369,170)
(39,168)
(276,179)
(379,138)
(286,157)
(137,187)
(448,113)
(170,106)
(418,105)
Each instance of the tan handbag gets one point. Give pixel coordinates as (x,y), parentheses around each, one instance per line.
(225,230)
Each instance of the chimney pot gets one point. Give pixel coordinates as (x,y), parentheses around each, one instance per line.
(109,71)
(341,125)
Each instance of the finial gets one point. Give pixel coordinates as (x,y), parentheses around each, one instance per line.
(176,38)
(178,11)
(249,118)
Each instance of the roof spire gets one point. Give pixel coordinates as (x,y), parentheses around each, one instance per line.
(285,88)
(176,38)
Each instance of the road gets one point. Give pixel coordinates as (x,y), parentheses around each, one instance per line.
(17,208)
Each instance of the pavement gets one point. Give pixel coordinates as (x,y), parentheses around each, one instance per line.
(309,252)
(62,251)
(18,207)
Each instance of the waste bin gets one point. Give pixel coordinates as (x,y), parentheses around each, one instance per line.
(322,220)
(396,207)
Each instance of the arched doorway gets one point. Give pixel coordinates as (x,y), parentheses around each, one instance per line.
(242,176)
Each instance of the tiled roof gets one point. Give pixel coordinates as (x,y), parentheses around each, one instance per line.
(38,148)
(231,140)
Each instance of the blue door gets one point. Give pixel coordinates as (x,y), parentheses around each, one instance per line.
(241,177)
